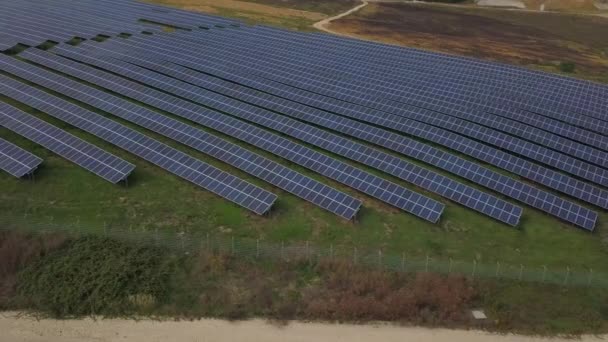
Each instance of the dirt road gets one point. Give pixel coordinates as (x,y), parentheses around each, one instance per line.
(15,329)
(322,25)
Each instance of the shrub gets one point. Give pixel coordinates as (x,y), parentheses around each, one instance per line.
(567,67)
(96,276)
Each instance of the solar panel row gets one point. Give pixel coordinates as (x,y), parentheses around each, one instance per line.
(17,161)
(78,151)
(265,169)
(397,76)
(527,194)
(401,81)
(503,72)
(358,179)
(496,157)
(206,176)
(457,192)
(504,141)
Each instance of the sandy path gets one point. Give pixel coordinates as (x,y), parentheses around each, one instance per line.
(13,329)
(322,25)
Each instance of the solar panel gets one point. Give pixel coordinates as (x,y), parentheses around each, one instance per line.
(464,145)
(78,151)
(431,181)
(391,193)
(396,78)
(263,168)
(359,95)
(17,161)
(204,175)
(406,84)
(517,190)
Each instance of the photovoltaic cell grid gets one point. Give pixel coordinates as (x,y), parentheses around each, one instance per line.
(341,67)
(431,181)
(513,74)
(542,200)
(363,181)
(206,176)
(358,95)
(274,173)
(496,157)
(78,151)
(17,161)
(396,78)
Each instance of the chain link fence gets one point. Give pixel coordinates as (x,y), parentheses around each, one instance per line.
(305,251)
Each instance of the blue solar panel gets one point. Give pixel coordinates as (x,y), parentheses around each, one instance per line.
(274,173)
(451,163)
(460,193)
(17,161)
(363,96)
(496,157)
(78,151)
(204,175)
(374,186)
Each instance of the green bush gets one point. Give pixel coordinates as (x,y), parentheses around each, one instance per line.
(567,67)
(96,276)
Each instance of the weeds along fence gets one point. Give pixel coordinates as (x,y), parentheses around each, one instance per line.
(257,249)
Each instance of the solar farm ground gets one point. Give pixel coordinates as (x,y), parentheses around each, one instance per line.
(156,200)
(64,193)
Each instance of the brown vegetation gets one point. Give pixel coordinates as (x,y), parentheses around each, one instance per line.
(524,38)
(18,250)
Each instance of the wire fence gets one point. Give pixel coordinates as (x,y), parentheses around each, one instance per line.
(305,251)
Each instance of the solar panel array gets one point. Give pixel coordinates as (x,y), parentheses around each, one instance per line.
(263,168)
(473,148)
(398,196)
(545,201)
(78,151)
(264,86)
(204,175)
(17,161)
(459,193)
(363,95)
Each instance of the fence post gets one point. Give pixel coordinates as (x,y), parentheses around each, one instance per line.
(521,271)
(403,261)
(497,269)
(426,265)
(544,273)
(590,275)
(474,268)
(450,267)
(567,276)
